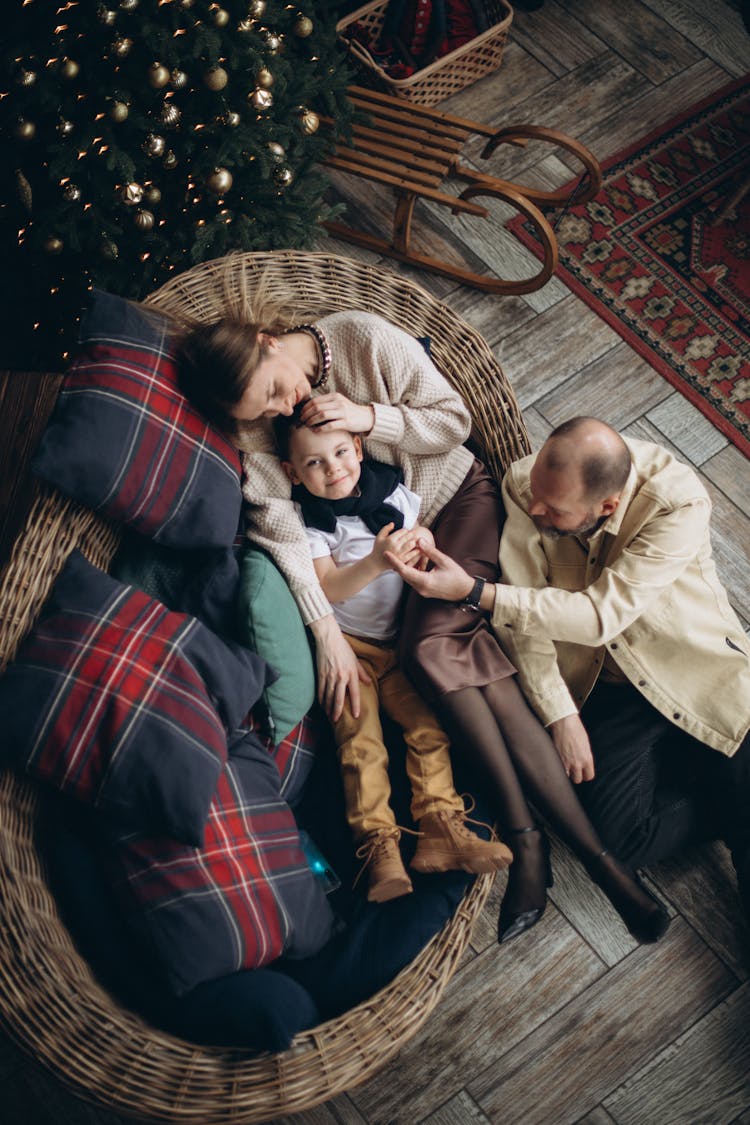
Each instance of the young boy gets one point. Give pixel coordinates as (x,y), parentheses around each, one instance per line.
(355,510)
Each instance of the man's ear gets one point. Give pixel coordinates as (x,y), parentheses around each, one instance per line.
(288,468)
(609,504)
(357,441)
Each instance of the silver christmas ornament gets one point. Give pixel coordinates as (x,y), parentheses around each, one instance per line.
(154,145)
(131,194)
(158,75)
(220,181)
(143,220)
(170,115)
(119,111)
(122,46)
(179,79)
(216,78)
(72,193)
(262,99)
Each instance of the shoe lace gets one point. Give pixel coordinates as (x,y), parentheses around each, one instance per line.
(376,843)
(462,817)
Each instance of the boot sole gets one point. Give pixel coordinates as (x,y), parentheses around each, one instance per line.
(477,867)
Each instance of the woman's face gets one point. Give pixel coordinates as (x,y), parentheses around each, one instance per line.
(275,387)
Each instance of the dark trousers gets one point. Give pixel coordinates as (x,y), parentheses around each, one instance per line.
(656,788)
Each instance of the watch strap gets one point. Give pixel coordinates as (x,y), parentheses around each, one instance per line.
(474,595)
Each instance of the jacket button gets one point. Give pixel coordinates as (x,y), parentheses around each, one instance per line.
(613,645)
(592,559)
(676,715)
(641,683)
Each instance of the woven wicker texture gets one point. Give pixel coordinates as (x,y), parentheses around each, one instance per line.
(49,1000)
(441,78)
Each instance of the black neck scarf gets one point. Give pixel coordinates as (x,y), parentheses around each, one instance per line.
(375,483)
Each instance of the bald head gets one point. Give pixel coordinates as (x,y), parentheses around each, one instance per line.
(591,452)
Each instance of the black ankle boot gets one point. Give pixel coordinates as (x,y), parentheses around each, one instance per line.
(515,915)
(643,914)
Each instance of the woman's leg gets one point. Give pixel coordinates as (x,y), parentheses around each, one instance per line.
(456,660)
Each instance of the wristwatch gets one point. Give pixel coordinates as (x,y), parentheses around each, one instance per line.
(471,601)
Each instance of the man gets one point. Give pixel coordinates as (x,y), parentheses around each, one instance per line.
(624,639)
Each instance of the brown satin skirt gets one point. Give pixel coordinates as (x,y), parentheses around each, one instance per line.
(444,647)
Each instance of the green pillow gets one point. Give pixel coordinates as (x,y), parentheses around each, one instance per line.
(270,624)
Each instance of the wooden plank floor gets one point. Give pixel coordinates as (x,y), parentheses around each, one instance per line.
(574,1022)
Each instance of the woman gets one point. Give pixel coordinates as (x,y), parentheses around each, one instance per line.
(356,371)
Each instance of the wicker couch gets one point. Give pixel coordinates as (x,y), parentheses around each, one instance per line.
(49,999)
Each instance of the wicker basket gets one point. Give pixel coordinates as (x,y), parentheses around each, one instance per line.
(447,74)
(49,999)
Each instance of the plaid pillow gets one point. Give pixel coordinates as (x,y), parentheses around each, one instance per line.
(124,441)
(124,705)
(295,754)
(244,898)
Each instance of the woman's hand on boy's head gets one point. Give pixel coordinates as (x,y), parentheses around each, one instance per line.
(337,412)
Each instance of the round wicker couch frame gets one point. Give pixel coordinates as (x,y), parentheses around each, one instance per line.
(50,1002)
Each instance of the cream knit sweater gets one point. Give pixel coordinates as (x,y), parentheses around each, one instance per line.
(420,425)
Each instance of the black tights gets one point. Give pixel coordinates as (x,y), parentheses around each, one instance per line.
(494,726)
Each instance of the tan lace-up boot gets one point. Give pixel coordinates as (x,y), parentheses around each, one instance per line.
(446,844)
(386,874)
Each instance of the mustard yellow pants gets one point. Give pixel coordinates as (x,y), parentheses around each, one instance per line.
(363,756)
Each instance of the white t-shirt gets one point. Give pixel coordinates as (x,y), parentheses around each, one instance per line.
(373,612)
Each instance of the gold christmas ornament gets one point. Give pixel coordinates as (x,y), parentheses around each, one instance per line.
(72,193)
(52,244)
(152,195)
(231,119)
(170,160)
(262,99)
(154,145)
(283,177)
(69,68)
(25,130)
(256,8)
(303,27)
(245,26)
(64,127)
(106,16)
(219,15)
(278,152)
(121,46)
(170,115)
(309,122)
(273,42)
(220,181)
(158,75)
(143,220)
(26,77)
(264,78)
(131,194)
(119,111)
(186,3)
(109,249)
(128,5)
(179,79)
(216,78)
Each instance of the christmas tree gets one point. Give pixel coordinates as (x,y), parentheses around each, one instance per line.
(143,136)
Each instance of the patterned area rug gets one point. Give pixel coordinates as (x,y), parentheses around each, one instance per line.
(654,255)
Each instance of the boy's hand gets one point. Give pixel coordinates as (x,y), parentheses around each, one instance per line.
(425,541)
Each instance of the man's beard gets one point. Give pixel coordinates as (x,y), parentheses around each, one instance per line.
(590,523)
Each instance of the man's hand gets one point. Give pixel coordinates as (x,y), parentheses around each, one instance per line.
(339,671)
(447,580)
(572,744)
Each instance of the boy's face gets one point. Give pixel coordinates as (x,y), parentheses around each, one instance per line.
(326,462)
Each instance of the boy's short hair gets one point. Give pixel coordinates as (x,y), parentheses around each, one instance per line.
(283,425)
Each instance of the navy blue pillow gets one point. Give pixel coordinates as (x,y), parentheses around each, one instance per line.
(124,705)
(124,440)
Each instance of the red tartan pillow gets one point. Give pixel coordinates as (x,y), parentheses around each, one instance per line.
(125,441)
(124,705)
(240,901)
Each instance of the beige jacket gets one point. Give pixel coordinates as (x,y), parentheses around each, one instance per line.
(643,588)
